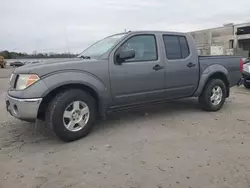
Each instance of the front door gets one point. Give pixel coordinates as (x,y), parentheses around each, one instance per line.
(182,67)
(140,79)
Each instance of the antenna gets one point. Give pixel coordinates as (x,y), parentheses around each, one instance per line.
(66,40)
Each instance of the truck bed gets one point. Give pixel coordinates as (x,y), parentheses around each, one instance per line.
(230,63)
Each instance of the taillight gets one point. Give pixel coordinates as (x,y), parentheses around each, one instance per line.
(241,65)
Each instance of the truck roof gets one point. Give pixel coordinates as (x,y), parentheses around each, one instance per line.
(156,32)
(151,32)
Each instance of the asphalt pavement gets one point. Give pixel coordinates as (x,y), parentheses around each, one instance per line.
(169,145)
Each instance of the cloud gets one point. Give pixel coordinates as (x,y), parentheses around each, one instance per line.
(45,25)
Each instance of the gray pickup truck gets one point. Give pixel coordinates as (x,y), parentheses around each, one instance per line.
(121,71)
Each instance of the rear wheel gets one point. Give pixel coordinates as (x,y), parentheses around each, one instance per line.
(213,95)
(71,114)
(247,83)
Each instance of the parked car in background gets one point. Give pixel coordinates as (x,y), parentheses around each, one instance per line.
(31,62)
(120,72)
(2,62)
(17,64)
(246,73)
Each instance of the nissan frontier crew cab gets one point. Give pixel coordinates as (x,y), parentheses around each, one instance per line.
(121,71)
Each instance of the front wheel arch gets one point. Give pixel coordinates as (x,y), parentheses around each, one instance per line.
(49,97)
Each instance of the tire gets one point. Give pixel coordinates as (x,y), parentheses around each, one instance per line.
(56,109)
(205,98)
(246,84)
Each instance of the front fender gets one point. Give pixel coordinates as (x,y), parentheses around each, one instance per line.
(57,79)
(207,73)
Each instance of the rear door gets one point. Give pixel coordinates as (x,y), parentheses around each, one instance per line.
(182,68)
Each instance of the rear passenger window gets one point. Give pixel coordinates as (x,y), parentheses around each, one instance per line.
(184,47)
(172,47)
(176,46)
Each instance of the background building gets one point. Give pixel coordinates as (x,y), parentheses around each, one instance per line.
(231,39)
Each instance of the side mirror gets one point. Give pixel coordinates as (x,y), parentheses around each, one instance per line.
(124,55)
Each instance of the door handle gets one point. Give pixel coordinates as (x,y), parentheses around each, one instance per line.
(157,67)
(190,65)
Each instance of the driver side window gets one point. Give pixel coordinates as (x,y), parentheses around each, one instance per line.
(144,47)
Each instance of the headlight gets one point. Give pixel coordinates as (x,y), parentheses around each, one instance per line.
(26,80)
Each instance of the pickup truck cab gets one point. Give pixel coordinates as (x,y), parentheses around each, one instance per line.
(121,71)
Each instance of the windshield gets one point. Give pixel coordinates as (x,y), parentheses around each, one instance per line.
(102,46)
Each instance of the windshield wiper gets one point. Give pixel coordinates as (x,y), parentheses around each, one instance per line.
(84,57)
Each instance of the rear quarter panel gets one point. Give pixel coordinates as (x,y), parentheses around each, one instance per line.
(228,65)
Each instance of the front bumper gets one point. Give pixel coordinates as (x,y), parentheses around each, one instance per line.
(24,109)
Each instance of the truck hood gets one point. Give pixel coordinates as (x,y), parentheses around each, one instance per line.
(51,66)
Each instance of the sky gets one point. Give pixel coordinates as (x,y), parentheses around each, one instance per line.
(72,25)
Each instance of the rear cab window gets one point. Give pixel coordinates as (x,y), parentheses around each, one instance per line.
(176,47)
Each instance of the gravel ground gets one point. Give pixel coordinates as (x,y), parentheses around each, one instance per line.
(170,145)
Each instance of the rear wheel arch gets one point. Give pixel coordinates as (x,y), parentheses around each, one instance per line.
(48,97)
(220,76)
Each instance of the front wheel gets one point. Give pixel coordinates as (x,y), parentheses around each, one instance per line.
(213,95)
(71,114)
